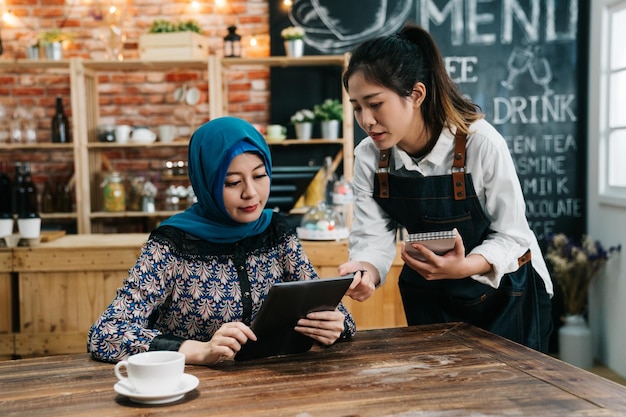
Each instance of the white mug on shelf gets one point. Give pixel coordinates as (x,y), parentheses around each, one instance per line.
(167,133)
(276,132)
(122,133)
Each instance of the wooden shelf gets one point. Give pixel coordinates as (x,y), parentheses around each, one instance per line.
(133,214)
(88,154)
(57,215)
(142,65)
(21,64)
(313,141)
(114,145)
(36,146)
(283,61)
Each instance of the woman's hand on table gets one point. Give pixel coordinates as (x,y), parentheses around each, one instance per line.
(224,344)
(365,279)
(325,327)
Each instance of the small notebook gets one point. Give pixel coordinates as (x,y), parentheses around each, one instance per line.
(438,242)
(286,303)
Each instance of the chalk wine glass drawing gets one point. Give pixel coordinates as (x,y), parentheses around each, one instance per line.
(524,59)
(540,71)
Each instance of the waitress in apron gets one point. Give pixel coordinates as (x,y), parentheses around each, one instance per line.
(432,163)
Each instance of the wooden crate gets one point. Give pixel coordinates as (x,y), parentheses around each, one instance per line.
(173,46)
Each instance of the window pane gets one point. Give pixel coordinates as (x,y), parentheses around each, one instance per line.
(618,34)
(617,99)
(617,156)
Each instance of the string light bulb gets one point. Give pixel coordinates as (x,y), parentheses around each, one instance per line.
(9,18)
(288,3)
(253,41)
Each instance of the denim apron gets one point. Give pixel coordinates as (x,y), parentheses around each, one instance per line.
(518,310)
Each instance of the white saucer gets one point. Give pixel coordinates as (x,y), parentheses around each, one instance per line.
(192,97)
(187,383)
(337,234)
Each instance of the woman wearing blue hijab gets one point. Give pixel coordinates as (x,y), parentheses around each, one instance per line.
(203,274)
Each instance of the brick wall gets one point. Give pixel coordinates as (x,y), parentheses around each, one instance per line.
(130,97)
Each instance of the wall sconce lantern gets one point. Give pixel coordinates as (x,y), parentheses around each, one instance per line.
(232,43)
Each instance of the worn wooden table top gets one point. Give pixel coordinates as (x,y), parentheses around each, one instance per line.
(438,370)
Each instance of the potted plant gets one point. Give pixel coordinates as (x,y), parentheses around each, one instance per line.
(165,26)
(303,122)
(574,265)
(329,113)
(293,38)
(52,42)
(167,40)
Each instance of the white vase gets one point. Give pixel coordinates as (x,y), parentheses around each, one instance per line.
(294,48)
(330,129)
(575,342)
(304,130)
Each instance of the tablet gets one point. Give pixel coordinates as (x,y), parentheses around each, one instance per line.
(286,303)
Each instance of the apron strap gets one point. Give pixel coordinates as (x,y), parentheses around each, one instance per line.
(458,165)
(525,258)
(383,172)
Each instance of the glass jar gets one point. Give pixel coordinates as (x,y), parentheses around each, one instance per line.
(114,194)
(322,222)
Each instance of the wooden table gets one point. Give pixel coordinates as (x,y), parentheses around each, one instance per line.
(439,370)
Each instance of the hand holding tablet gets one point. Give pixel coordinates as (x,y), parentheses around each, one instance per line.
(286,303)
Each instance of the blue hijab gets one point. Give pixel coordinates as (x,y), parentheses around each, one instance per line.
(211,149)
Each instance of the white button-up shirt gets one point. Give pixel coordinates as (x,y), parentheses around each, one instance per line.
(373,233)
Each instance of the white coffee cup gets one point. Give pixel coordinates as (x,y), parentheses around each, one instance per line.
(122,133)
(167,133)
(275,132)
(29,228)
(156,372)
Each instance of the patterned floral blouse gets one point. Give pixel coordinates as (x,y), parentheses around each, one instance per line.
(185,288)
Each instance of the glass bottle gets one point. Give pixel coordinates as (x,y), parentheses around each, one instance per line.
(64,199)
(6,191)
(330,178)
(48,203)
(31,193)
(25,192)
(60,129)
(6,205)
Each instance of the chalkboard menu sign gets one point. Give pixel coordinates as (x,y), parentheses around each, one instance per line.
(522,61)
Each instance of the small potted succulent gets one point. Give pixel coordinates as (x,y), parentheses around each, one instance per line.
(52,42)
(293,37)
(303,122)
(330,114)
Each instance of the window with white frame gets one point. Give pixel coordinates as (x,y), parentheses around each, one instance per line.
(614,149)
